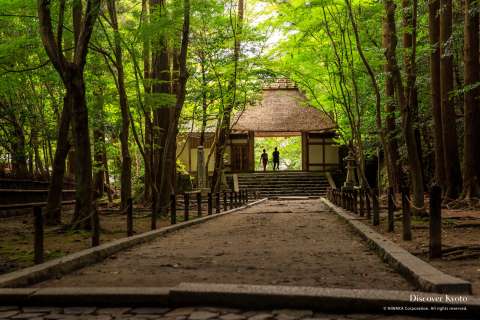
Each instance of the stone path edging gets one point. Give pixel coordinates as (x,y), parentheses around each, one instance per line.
(419,272)
(315,298)
(77,260)
(252,297)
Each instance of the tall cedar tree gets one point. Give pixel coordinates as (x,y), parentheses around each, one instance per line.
(126,172)
(471,152)
(435,90)
(453,179)
(413,158)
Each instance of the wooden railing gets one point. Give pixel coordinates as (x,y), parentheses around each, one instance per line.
(178,202)
(358,201)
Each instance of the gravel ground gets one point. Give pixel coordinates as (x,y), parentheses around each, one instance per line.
(297,243)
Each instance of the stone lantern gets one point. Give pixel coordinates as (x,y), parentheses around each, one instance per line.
(350,182)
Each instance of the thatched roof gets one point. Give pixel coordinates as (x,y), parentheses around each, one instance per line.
(283,108)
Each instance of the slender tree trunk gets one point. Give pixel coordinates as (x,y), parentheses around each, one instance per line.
(54,198)
(83,158)
(378,104)
(471,158)
(224,130)
(413,157)
(435,90)
(203,63)
(450,143)
(149,175)
(19,158)
(160,73)
(409,9)
(391,130)
(126,172)
(39,168)
(99,145)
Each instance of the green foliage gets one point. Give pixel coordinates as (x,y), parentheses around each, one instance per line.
(290,149)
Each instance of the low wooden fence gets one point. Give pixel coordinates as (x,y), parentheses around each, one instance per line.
(366,204)
(188,203)
(25,196)
(29,184)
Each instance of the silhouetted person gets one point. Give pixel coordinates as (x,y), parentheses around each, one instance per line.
(276,159)
(264,160)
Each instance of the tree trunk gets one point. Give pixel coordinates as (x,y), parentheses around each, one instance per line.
(19,158)
(71,73)
(224,130)
(435,90)
(409,9)
(83,159)
(39,168)
(126,172)
(413,157)
(160,72)
(149,175)
(450,144)
(99,145)
(471,158)
(54,198)
(203,63)
(391,130)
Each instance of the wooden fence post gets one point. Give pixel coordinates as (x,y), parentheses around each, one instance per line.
(231,200)
(246,196)
(95,226)
(153,224)
(406,215)
(435,222)
(217,202)
(129,217)
(350,201)
(391,210)
(355,201)
(38,239)
(376,208)
(173,208)
(361,194)
(186,206)
(368,207)
(210,210)
(225,201)
(199,204)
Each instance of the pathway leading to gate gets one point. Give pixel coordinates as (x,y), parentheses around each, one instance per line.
(295,242)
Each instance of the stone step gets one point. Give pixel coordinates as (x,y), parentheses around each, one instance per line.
(275,184)
(288,189)
(284,180)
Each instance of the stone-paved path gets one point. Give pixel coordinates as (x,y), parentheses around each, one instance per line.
(203,313)
(297,243)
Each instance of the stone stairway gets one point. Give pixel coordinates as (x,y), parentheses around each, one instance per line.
(274,184)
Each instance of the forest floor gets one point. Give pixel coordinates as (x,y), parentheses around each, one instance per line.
(16,243)
(296,242)
(460,242)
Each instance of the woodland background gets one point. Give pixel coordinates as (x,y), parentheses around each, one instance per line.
(97,91)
